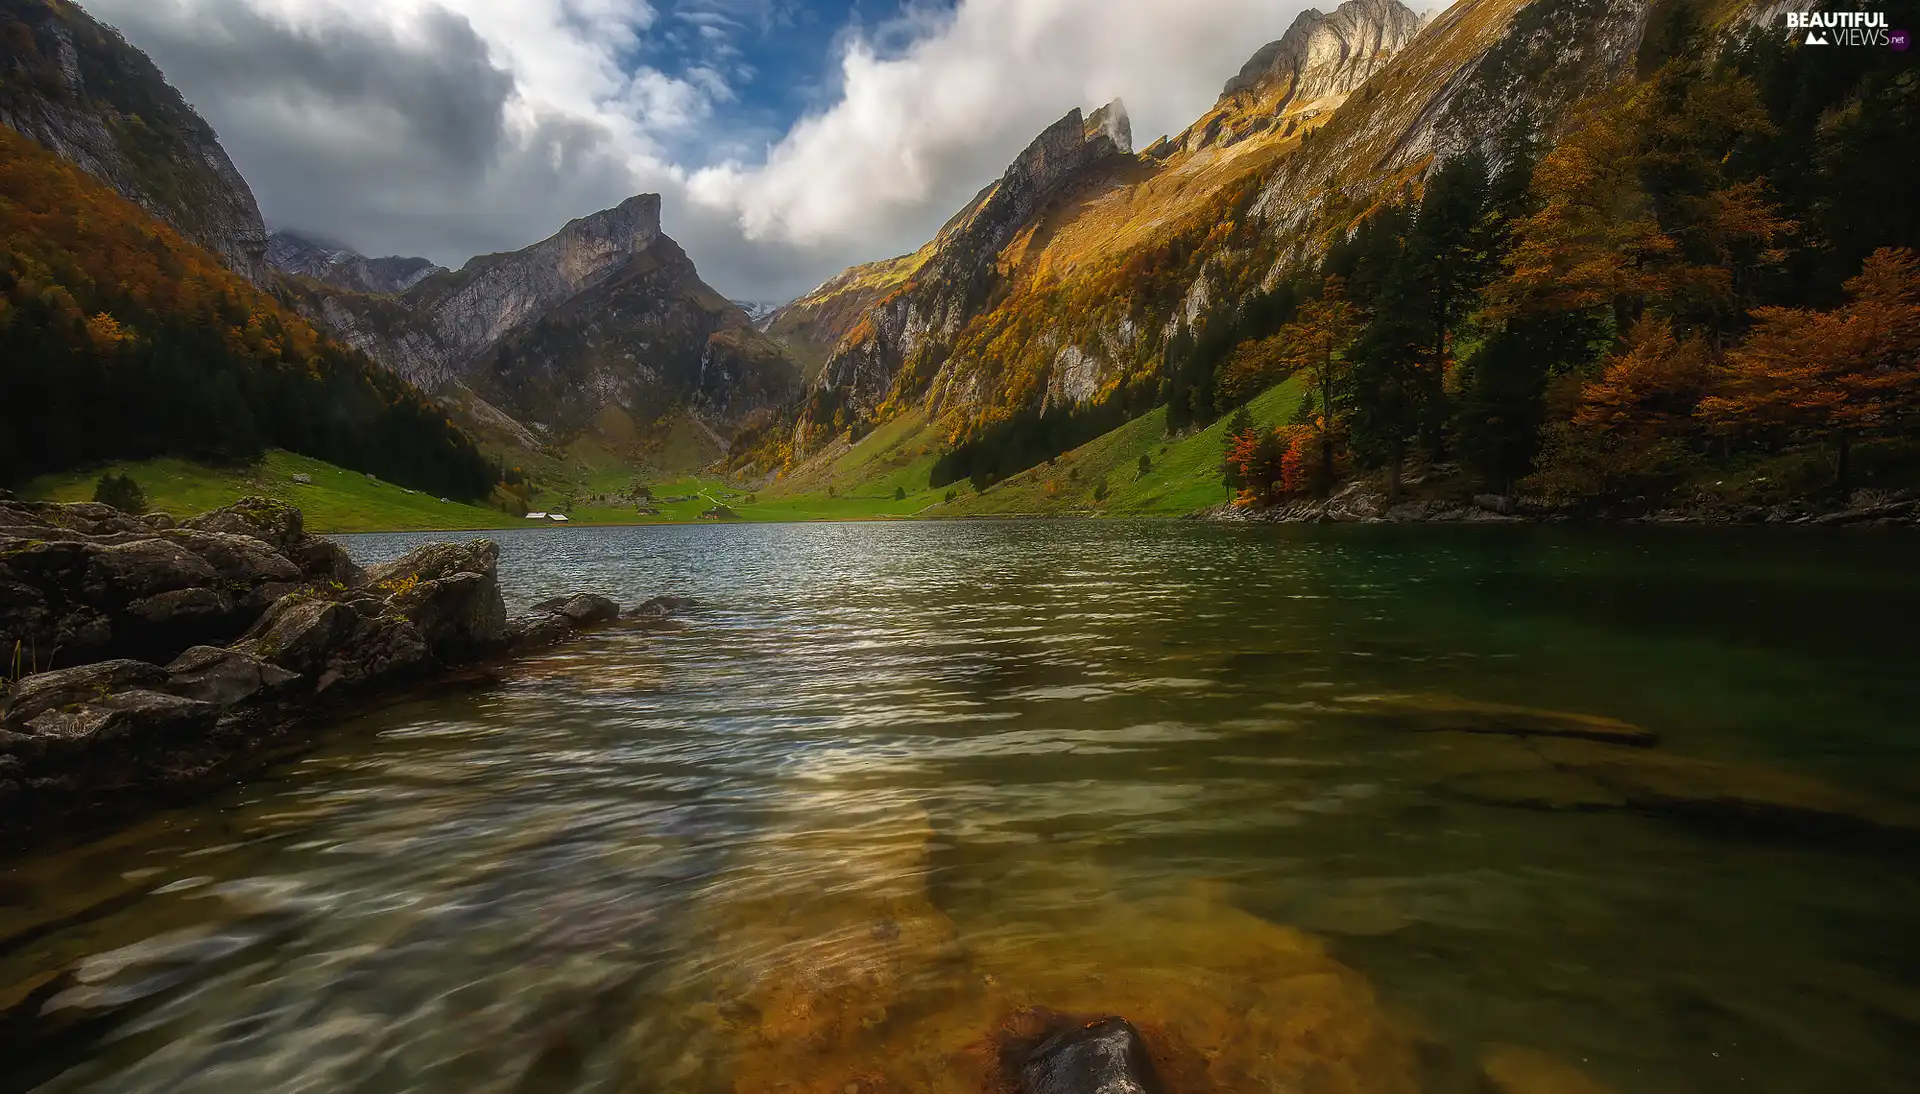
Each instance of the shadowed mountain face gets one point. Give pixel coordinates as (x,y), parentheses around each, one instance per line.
(79,89)
(606,315)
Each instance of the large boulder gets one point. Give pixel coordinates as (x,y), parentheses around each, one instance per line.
(302,633)
(451,593)
(75,687)
(226,677)
(274,523)
(55,717)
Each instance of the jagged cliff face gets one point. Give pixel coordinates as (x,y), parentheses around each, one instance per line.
(1059,290)
(78,88)
(959,269)
(491,295)
(810,327)
(1311,69)
(533,345)
(344,268)
(648,338)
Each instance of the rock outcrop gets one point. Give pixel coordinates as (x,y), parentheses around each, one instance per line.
(1324,55)
(78,88)
(87,582)
(157,660)
(1309,70)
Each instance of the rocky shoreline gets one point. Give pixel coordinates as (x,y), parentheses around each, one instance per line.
(146,660)
(1364,503)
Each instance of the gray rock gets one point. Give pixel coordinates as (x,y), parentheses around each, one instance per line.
(660,607)
(237,559)
(129,571)
(181,606)
(301,634)
(1494,503)
(272,522)
(1106,1057)
(137,716)
(450,591)
(74,687)
(225,677)
(581,609)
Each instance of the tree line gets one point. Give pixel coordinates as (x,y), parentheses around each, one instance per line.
(119,339)
(1712,264)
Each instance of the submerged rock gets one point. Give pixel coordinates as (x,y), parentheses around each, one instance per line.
(1104,1057)
(1725,796)
(581,609)
(1444,713)
(1510,1069)
(660,607)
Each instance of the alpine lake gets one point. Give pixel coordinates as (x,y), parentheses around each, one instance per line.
(1321,809)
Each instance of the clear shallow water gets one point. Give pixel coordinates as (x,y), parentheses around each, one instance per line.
(891,782)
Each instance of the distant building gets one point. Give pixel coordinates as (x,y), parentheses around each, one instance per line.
(536,516)
(557,518)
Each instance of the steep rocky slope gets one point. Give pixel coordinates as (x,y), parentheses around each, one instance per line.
(1067,280)
(1307,71)
(649,338)
(78,88)
(811,326)
(909,326)
(532,347)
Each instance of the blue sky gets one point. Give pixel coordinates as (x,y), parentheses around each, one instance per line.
(788,139)
(778,58)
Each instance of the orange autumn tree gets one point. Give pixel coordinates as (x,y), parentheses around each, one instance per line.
(119,338)
(1830,376)
(1318,342)
(1632,424)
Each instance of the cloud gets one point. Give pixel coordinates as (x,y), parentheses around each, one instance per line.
(456,127)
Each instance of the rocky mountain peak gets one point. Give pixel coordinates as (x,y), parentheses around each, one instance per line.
(626,229)
(493,294)
(1323,55)
(1111,122)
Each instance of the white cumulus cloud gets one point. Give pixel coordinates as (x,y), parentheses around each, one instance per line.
(455,127)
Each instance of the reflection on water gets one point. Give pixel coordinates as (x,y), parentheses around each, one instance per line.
(1320,810)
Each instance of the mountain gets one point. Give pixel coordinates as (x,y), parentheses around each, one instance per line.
(1067,282)
(605,325)
(1593,257)
(121,338)
(77,87)
(911,327)
(344,268)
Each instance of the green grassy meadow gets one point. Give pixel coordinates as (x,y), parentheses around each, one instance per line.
(338,500)
(844,482)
